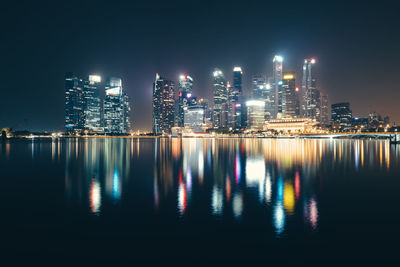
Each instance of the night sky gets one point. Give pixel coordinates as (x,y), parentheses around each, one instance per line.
(356,45)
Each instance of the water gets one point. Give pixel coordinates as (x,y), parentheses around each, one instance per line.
(193,201)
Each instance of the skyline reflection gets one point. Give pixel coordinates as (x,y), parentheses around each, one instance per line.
(229,178)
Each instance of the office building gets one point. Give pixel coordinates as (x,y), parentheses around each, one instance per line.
(290,104)
(92,104)
(341,115)
(255,115)
(220,95)
(278,100)
(116,108)
(324,117)
(194,118)
(73,103)
(163,105)
(310,94)
(238,109)
(259,87)
(269,96)
(185,88)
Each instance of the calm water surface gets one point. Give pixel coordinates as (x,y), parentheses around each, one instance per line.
(191,201)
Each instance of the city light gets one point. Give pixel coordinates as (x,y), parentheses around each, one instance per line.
(257,103)
(238,69)
(288,76)
(278,59)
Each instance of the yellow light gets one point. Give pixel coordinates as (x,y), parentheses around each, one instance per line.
(288,197)
(288,76)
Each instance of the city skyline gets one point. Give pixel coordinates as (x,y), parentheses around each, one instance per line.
(351,64)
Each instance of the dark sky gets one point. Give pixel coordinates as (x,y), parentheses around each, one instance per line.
(356,44)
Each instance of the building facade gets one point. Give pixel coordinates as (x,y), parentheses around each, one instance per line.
(278,100)
(194,118)
(116,108)
(238,110)
(255,115)
(163,105)
(324,118)
(92,104)
(220,95)
(74,122)
(185,88)
(341,115)
(310,94)
(290,104)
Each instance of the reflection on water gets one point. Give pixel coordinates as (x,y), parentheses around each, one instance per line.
(233,180)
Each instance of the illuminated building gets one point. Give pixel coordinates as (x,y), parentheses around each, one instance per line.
(116,108)
(310,94)
(73,103)
(238,112)
(207,112)
(290,105)
(194,118)
(163,105)
(269,99)
(259,87)
(278,100)
(291,125)
(255,114)
(92,104)
(220,100)
(324,118)
(185,87)
(341,115)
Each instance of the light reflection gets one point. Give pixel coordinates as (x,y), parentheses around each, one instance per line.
(268,188)
(311,213)
(95,197)
(182,199)
(279,218)
(297,185)
(288,197)
(217,201)
(237,205)
(280,177)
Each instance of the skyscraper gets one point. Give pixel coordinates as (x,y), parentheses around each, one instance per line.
(73,103)
(220,100)
(185,87)
(116,108)
(324,111)
(269,98)
(341,115)
(290,105)
(163,105)
(92,104)
(259,87)
(255,114)
(194,117)
(278,100)
(311,95)
(239,110)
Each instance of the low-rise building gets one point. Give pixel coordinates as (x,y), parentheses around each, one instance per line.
(291,125)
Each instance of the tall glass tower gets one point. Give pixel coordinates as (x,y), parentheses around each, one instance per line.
(74,122)
(220,96)
(278,100)
(185,87)
(239,110)
(258,86)
(116,108)
(92,104)
(290,106)
(310,94)
(163,105)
